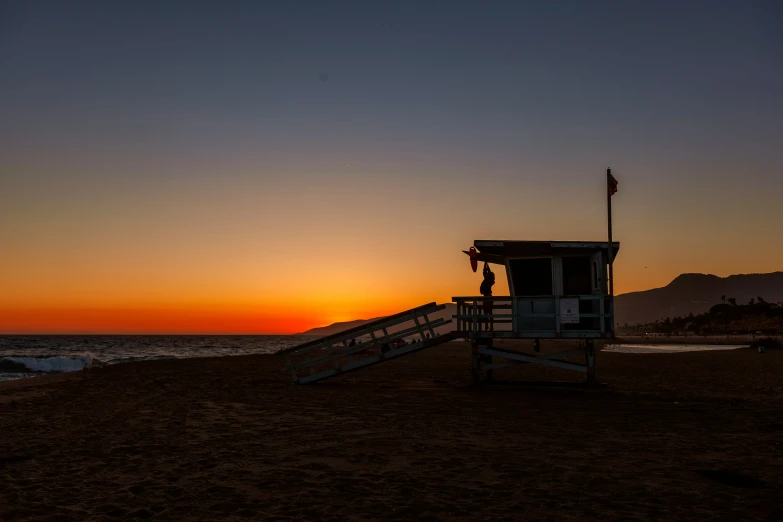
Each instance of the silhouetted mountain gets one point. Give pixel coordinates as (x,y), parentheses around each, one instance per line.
(695,293)
(323,331)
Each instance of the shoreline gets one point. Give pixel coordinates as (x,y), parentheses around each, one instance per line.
(526,344)
(692,339)
(736,343)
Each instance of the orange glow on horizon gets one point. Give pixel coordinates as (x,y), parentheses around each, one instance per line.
(358,294)
(196,321)
(221,263)
(148,321)
(291,314)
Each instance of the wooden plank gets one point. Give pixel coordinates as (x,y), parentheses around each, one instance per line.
(369,361)
(428,326)
(321,342)
(538,334)
(569,353)
(469,299)
(480,313)
(359,347)
(532,359)
(365,346)
(545,316)
(388,321)
(475,313)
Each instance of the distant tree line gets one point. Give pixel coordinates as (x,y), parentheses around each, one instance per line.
(726,317)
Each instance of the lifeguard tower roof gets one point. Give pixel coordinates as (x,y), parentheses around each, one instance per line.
(541,274)
(499,251)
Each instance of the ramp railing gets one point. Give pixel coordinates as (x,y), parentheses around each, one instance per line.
(367,344)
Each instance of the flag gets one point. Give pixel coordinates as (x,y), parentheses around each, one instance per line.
(611,183)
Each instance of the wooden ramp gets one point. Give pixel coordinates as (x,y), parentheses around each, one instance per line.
(375,342)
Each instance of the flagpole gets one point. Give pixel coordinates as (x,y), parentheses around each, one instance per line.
(609,249)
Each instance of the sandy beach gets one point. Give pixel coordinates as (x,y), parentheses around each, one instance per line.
(672,436)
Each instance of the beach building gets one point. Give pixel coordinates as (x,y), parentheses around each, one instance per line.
(558,290)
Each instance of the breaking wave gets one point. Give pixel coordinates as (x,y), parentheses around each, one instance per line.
(45,364)
(23,356)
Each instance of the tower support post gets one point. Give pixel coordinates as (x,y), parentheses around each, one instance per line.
(590,363)
(476,362)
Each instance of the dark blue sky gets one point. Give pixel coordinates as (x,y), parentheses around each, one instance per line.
(424,76)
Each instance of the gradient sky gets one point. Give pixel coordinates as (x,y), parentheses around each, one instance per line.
(266,167)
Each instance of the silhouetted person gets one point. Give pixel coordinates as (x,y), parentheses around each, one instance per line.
(486,291)
(352,343)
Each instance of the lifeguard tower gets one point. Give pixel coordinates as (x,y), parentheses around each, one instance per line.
(558,290)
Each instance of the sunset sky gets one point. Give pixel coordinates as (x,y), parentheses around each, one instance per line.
(267,167)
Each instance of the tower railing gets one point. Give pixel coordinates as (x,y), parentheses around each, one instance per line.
(535,317)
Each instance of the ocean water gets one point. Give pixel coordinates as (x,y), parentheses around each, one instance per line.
(27,356)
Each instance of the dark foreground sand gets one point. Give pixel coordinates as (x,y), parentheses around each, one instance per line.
(674,436)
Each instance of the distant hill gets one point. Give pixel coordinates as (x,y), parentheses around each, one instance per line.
(757,315)
(695,293)
(323,331)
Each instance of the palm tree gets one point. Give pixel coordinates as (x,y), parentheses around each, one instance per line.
(723,298)
(732,301)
